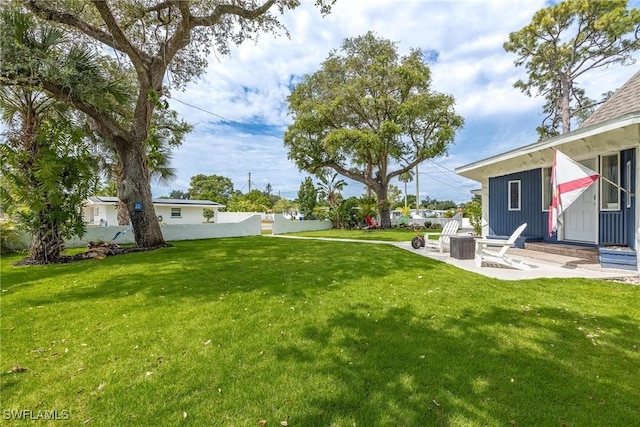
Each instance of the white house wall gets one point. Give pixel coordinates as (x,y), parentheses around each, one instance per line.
(188,215)
(106,214)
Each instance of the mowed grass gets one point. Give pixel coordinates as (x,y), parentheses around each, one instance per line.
(389,235)
(231,332)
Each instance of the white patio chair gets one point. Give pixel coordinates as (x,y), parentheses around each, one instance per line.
(449,229)
(499,256)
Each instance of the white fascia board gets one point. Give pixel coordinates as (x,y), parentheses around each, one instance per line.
(474,170)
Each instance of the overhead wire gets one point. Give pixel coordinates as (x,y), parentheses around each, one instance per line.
(227,121)
(263,132)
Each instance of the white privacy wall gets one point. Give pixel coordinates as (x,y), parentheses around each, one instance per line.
(282,225)
(250,226)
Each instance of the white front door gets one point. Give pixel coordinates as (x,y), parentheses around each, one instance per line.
(580,216)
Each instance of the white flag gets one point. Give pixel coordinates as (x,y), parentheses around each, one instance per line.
(568,180)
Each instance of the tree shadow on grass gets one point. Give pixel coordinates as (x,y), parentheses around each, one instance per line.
(205,269)
(500,367)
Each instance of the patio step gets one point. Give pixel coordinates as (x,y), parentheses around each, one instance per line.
(574,251)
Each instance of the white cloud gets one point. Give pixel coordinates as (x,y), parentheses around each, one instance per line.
(249,88)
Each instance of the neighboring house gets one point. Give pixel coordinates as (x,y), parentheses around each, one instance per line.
(101,210)
(516,184)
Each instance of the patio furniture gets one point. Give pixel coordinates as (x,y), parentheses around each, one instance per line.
(500,256)
(449,229)
(371,223)
(462,247)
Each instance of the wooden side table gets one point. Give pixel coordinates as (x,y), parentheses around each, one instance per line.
(462,247)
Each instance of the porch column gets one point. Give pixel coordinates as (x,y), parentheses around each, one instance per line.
(485,207)
(637,225)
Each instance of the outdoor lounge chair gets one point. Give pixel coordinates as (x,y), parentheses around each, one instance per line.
(500,256)
(371,223)
(449,229)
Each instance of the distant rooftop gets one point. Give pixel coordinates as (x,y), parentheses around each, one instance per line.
(188,202)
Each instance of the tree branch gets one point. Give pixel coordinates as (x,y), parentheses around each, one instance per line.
(107,127)
(72,21)
(138,58)
(231,9)
(161,6)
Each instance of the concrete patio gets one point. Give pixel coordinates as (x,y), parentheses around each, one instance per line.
(543,265)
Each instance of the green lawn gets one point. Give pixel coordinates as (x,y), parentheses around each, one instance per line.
(389,235)
(229,332)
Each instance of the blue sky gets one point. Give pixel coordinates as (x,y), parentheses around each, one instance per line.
(239,111)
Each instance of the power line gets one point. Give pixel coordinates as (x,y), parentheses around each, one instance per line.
(229,122)
(261,131)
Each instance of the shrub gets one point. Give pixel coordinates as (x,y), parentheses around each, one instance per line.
(208,213)
(10,241)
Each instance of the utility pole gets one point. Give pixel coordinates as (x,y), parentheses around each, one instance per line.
(417,191)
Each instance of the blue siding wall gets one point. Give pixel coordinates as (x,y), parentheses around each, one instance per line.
(502,221)
(615,228)
(612,228)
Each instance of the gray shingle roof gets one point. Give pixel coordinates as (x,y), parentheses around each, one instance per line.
(624,101)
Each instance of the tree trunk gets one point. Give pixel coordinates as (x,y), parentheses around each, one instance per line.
(46,242)
(135,193)
(566,107)
(121,208)
(123,213)
(383,206)
(385,217)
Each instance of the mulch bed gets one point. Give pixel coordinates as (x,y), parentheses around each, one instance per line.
(95,250)
(631,280)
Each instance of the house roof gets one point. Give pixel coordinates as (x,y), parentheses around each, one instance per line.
(619,116)
(625,100)
(173,202)
(624,133)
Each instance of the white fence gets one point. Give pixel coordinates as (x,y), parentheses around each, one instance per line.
(282,225)
(227,217)
(249,226)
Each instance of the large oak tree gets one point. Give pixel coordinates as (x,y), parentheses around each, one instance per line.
(564,42)
(156,38)
(370,115)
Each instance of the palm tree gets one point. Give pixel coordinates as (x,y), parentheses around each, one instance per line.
(330,190)
(46,163)
(406,177)
(47,168)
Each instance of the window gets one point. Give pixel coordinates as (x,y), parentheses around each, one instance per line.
(609,194)
(514,195)
(547,190)
(176,212)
